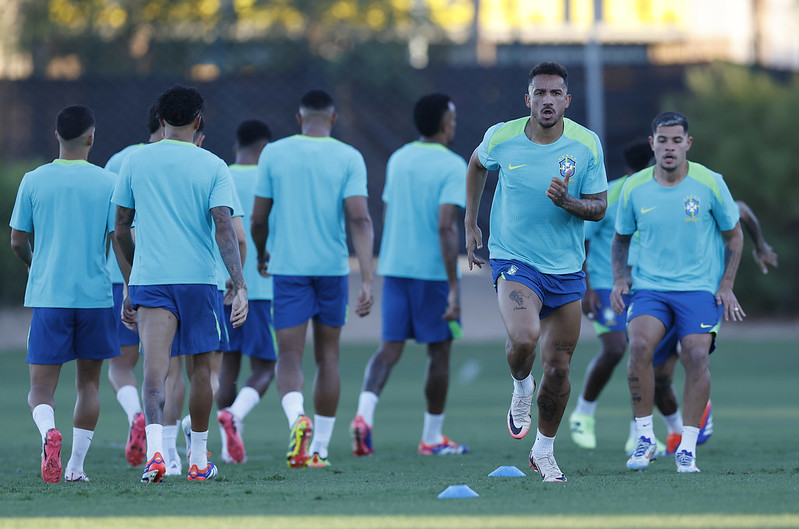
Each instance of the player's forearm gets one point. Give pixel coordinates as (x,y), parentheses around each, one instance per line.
(752,225)
(259,225)
(619,252)
(21,246)
(123,234)
(476,176)
(363,242)
(241,238)
(228,245)
(122,262)
(591,207)
(448,240)
(733,247)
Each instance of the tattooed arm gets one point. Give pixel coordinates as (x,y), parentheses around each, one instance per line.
(733,246)
(587,207)
(619,251)
(228,244)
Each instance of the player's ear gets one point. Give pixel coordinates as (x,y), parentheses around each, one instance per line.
(299,119)
(688,142)
(333,118)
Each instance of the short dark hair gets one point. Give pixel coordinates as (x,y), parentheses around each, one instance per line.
(428,112)
(316,100)
(180,105)
(153,122)
(637,155)
(669,119)
(73,121)
(549,68)
(251,132)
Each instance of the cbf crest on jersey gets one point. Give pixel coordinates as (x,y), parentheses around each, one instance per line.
(567,166)
(691,204)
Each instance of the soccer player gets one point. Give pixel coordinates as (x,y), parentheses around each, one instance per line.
(255,339)
(121,368)
(177,193)
(307,182)
(682,212)
(551,179)
(66,204)
(424,188)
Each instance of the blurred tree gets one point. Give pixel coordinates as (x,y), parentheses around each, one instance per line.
(743,124)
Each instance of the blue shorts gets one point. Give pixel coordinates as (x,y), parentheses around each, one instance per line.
(687,312)
(224,336)
(297,299)
(554,290)
(57,336)
(126,336)
(195,306)
(412,308)
(256,337)
(606,320)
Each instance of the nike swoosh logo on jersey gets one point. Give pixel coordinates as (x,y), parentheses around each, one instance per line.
(647,210)
(511,167)
(705,326)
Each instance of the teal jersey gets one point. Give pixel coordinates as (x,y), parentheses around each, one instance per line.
(308,180)
(66,205)
(679,229)
(244,177)
(173,186)
(221,270)
(114,164)
(420,177)
(600,236)
(525,224)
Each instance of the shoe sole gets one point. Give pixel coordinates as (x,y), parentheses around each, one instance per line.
(359,446)
(520,432)
(298,457)
(235,445)
(135,449)
(51,466)
(154,476)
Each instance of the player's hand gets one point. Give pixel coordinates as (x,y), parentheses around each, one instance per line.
(453,311)
(263,264)
(620,289)
(558,190)
(230,293)
(765,255)
(590,303)
(474,241)
(732,309)
(239,307)
(365,300)
(129,315)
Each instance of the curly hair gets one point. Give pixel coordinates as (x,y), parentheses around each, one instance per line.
(179,105)
(428,112)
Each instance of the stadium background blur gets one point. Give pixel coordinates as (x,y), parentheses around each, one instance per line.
(730,66)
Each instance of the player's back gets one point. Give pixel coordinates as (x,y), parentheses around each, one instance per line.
(420,177)
(308,179)
(173,185)
(67,205)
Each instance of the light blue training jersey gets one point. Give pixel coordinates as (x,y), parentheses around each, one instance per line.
(221,270)
(420,177)
(525,224)
(308,179)
(244,177)
(600,236)
(66,205)
(173,185)
(114,164)
(679,229)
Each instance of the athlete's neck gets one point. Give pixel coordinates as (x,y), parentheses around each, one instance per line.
(543,135)
(670,177)
(74,154)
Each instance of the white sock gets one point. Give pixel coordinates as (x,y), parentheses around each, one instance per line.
(431,434)
(169,436)
(673,422)
(81,441)
(688,442)
(645,428)
(322,432)
(44,417)
(525,386)
(584,407)
(199,448)
(155,440)
(128,398)
(293,407)
(245,401)
(543,445)
(367,402)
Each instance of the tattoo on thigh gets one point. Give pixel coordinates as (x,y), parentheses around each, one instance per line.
(564,346)
(517,297)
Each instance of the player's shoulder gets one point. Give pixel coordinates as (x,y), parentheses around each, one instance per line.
(503,131)
(582,136)
(635,181)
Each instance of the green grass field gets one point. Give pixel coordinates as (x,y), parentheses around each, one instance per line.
(749,478)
